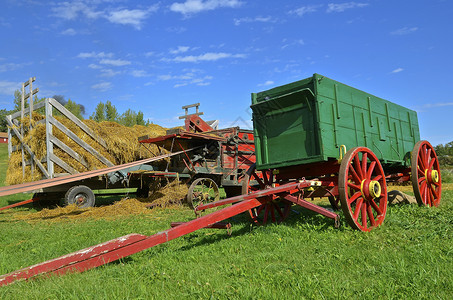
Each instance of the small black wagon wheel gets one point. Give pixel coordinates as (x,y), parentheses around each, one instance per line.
(202,191)
(363,189)
(425,170)
(80,195)
(275,209)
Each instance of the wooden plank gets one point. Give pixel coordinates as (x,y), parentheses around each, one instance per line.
(35,107)
(191,105)
(38,163)
(68,150)
(31,118)
(35,91)
(79,123)
(10,143)
(81,143)
(62,164)
(49,145)
(22,108)
(28,82)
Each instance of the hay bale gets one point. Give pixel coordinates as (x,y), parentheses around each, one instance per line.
(122,146)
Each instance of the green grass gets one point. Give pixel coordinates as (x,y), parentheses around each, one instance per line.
(409,257)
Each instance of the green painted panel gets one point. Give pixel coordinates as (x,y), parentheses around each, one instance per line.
(308,120)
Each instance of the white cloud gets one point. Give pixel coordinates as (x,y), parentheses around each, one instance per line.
(180,49)
(269,82)
(341,7)
(139,73)
(8,87)
(69,31)
(404,31)
(134,17)
(102,86)
(94,66)
(196,6)
(190,77)
(72,10)
(12,66)
(268,19)
(210,56)
(305,10)
(293,43)
(94,55)
(150,53)
(115,62)
(109,73)
(397,70)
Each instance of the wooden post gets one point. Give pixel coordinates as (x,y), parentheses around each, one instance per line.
(22,109)
(10,145)
(30,101)
(49,144)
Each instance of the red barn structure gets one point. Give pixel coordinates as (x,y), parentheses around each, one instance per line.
(3,138)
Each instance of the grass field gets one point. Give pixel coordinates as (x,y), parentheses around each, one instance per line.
(409,257)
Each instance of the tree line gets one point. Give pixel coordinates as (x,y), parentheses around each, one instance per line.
(103,111)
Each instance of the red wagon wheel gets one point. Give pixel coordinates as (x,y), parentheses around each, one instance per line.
(275,209)
(425,170)
(362,188)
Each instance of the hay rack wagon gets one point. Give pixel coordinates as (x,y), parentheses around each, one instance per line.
(302,134)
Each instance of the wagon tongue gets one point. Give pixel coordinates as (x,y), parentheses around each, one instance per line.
(72,261)
(118,248)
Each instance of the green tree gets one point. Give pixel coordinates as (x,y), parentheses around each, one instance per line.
(99,113)
(140,119)
(111,113)
(445,153)
(74,108)
(17,101)
(128,118)
(3,123)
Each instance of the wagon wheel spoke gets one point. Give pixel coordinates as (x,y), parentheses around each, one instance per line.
(354,197)
(377,178)
(354,186)
(364,163)
(376,207)
(260,182)
(371,169)
(358,207)
(370,214)
(357,167)
(354,175)
(364,216)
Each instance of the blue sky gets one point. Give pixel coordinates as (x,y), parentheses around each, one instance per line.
(156,56)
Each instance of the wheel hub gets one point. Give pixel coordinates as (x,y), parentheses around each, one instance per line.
(80,199)
(434,178)
(370,189)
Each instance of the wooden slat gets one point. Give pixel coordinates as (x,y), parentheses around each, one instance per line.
(35,107)
(49,145)
(38,163)
(62,164)
(81,143)
(68,150)
(35,91)
(28,81)
(79,123)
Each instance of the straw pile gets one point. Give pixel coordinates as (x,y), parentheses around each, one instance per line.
(170,196)
(122,146)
